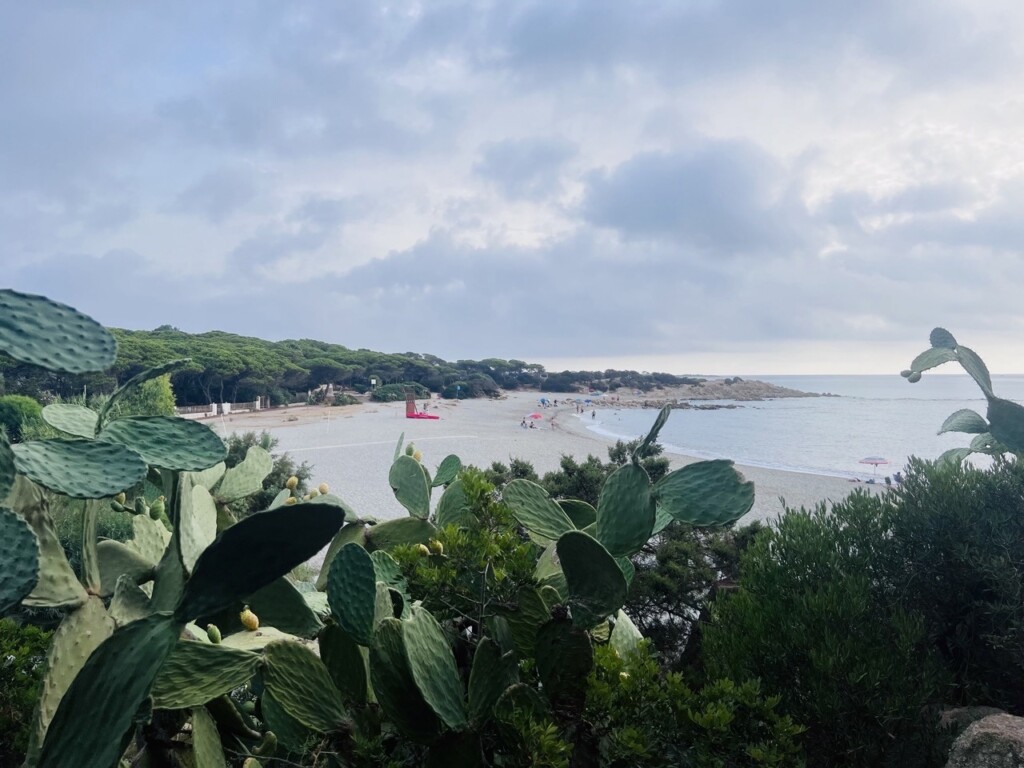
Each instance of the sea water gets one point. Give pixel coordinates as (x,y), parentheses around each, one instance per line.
(872,416)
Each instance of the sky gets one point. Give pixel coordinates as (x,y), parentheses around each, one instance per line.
(693,186)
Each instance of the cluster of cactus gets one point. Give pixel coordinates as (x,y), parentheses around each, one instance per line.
(1001,430)
(197,605)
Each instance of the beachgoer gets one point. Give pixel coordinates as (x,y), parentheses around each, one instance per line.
(593,414)
(523,425)
(532,425)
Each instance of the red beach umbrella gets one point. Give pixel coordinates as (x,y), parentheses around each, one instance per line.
(874,461)
(535,415)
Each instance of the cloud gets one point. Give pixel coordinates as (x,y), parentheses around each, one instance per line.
(525,168)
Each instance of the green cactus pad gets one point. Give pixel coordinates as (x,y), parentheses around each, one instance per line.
(531,612)
(652,436)
(197,523)
(197,672)
(1007,423)
(281,605)
(596,585)
(628,570)
(136,381)
(81,469)
(394,533)
(976,367)
(129,603)
(253,553)
(394,686)
(448,470)
(388,570)
(932,358)
(543,519)
(150,538)
(299,682)
(964,420)
(57,587)
(79,634)
(625,511)
(410,486)
(351,592)
(72,419)
(209,477)
(581,513)
(519,699)
(247,477)
(167,442)
(116,559)
(491,674)
(291,734)
(398,447)
(35,330)
(354,533)
(706,493)
(346,663)
(548,571)
(258,640)
(280,499)
(453,508)
(940,337)
(207,751)
(19,559)
(7,468)
(625,636)
(565,656)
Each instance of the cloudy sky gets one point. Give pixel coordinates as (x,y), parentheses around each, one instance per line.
(689,185)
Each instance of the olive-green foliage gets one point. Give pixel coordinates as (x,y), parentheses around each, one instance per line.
(816,620)
(284,467)
(645,718)
(344,398)
(484,565)
(957,559)
(390,393)
(577,480)
(67,517)
(22,665)
(500,475)
(17,413)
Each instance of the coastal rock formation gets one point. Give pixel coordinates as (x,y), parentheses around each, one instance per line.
(996,741)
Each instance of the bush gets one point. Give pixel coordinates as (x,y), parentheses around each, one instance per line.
(284,467)
(22,666)
(17,411)
(816,620)
(344,398)
(391,393)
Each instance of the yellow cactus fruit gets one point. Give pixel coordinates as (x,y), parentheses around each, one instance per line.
(252,762)
(120,498)
(306,497)
(324,488)
(291,500)
(422,549)
(292,483)
(418,455)
(213,633)
(249,619)
(313,493)
(436,547)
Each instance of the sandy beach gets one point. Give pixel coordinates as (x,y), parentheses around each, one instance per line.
(351,447)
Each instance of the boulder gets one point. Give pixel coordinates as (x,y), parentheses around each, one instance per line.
(996,741)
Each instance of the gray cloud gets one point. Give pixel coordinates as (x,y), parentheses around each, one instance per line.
(526,168)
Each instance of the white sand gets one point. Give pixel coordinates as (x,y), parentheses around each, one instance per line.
(352,447)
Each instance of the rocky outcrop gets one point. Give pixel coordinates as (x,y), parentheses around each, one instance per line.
(996,741)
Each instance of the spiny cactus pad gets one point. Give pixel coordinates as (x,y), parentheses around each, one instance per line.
(351,592)
(1007,420)
(543,519)
(388,570)
(580,512)
(197,524)
(129,603)
(207,751)
(279,604)
(491,674)
(346,663)
(196,672)
(351,533)
(548,571)
(625,636)
(81,469)
(54,336)
(410,486)
(19,559)
(76,638)
(7,468)
(291,734)
(254,552)
(659,422)
(299,682)
(209,477)
(625,511)
(448,470)
(72,419)
(116,559)
(531,612)
(453,508)
(565,656)
(167,442)
(705,493)
(247,477)
(394,533)
(964,420)
(394,686)
(595,582)
(149,538)
(433,668)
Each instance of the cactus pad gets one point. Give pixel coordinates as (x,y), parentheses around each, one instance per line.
(388,570)
(531,612)
(351,592)
(352,533)
(254,552)
(453,508)
(346,663)
(625,511)
(167,442)
(209,477)
(394,533)
(625,636)
(394,686)
(207,751)
(548,571)
(197,672)
(299,682)
(964,420)
(150,537)
(291,734)
(19,559)
(129,602)
(533,508)
(652,436)
(7,468)
(197,523)
(565,656)
(595,583)
(1007,420)
(491,674)
(35,330)
(81,469)
(410,486)
(706,493)
(247,477)
(580,512)
(448,470)
(117,559)
(72,419)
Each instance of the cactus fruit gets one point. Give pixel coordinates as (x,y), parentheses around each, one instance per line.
(249,619)
(213,633)
(435,546)
(252,762)
(118,506)
(410,449)
(156,511)
(417,455)
(120,498)
(324,488)
(268,746)
(313,493)
(291,500)
(422,549)
(292,483)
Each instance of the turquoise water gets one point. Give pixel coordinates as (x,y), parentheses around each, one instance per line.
(881,416)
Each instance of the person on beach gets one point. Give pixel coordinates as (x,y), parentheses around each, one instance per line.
(523,425)
(593,414)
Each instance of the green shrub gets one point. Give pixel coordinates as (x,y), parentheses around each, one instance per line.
(284,467)
(22,666)
(18,411)
(67,519)
(392,393)
(816,619)
(344,398)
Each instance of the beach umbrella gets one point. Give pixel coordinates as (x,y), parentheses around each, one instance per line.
(874,461)
(535,415)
